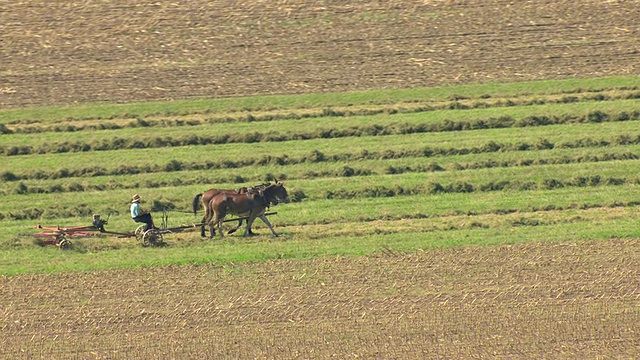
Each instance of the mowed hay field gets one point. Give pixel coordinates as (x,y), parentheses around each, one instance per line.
(463,178)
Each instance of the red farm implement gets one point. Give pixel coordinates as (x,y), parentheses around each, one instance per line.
(61,236)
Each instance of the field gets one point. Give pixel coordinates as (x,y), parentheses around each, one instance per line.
(463,175)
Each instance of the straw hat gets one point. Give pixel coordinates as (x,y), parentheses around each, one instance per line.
(135,198)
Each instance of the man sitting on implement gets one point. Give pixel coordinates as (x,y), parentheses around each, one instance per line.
(140,215)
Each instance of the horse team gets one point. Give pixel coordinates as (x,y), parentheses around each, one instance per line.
(248,203)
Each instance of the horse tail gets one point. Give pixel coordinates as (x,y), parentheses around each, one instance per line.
(196,203)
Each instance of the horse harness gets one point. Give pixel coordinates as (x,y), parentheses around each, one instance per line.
(262,194)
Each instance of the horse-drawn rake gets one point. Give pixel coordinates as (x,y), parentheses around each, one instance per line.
(61,236)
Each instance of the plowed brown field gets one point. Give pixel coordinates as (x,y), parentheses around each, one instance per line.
(74,52)
(524,301)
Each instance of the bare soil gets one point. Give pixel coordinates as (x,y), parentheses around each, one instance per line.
(123,51)
(521,301)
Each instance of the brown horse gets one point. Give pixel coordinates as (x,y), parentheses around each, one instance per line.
(251,204)
(205,199)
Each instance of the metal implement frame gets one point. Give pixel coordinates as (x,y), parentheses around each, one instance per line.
(61,236)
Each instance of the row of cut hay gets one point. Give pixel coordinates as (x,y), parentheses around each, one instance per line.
(376,191)
(317,156)
(121,143)
(133,121)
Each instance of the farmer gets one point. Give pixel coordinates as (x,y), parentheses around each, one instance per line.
(140,215)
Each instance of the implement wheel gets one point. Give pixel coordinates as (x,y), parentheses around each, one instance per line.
(64,244)
(139,232)
(151,238)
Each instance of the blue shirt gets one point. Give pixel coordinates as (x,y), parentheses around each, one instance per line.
(135,209)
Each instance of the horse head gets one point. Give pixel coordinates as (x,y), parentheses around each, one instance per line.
(276,193)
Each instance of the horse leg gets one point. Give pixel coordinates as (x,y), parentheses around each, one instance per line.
(264,220)
(236,228)
(202,225)
(206,218)
(219,217)
(212,231)
(250,219)
(219,223)
(251,232)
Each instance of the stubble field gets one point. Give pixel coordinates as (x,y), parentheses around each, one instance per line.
(519,301)
(538,299)
(70,53)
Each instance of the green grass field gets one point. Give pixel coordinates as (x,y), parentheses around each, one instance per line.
(394,170)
